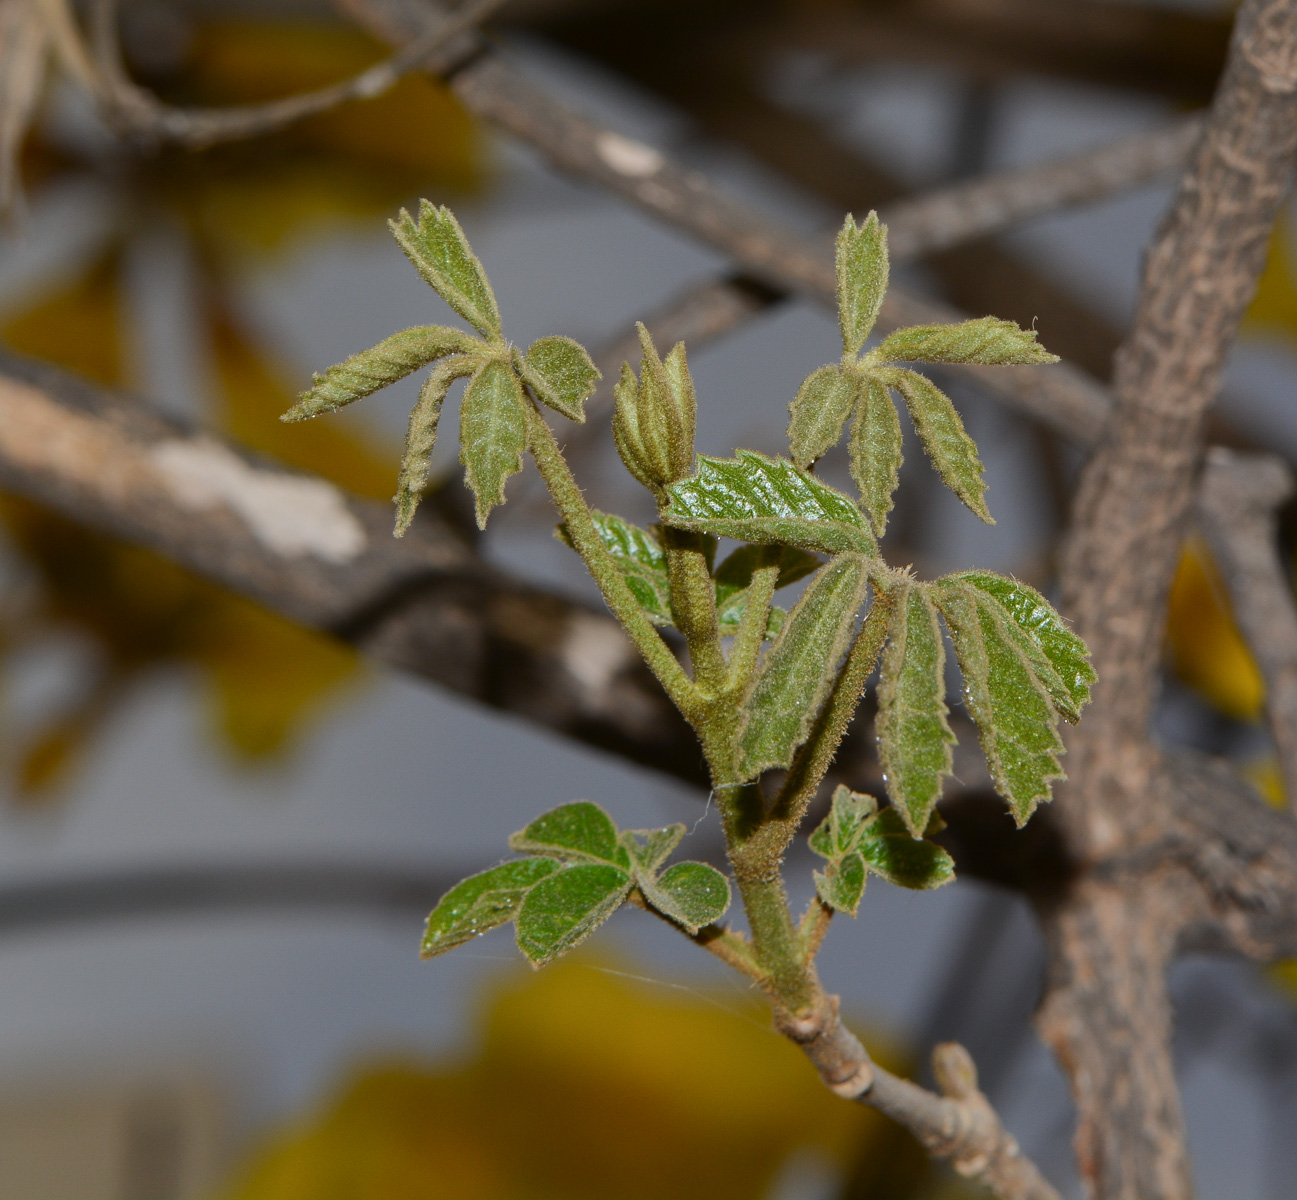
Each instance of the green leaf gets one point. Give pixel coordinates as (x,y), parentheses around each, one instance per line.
(690,893)
(986,340)
(482,902)
(913,735)
(819,411)
(392,359)
(757,499)
(952,451)
(842,883)
(798,670)
(734,577)
(440,252)
(577,832)
(561,374)
(876,451)
(890,851)
(421,436)
(839,832)
(639,558)
(1015,715)
(492,434)
(562,911)
(625,428)
(650,848)
(862,279)
(1060,659)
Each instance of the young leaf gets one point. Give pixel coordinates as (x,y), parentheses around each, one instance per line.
(986,340)
(842,883)
(758,499)
(1015,716)
(665,412)
(577,832)
(421,436)
(482,902)
(913,735)
(492,434)
(840,831)
(819,411)
(392,359)
(641,560)
(625,429)
(440,252)
(734,576)
(1065,669)
(797,672)
(862,279)
(561,374)
(691,893)
(876,451)
(650,848)
(563,910)
(952,451)
(890,851)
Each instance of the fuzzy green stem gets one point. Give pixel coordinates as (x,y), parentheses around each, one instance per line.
(816,755)
(756,616)
(571,506)
(693,602)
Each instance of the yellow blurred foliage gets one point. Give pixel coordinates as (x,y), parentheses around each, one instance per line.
(265,677)
(1204,645)
(1274,308)
(359,161)
(587,1085)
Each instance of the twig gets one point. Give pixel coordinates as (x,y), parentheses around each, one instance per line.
(1237,501)
(958,1125)
(139,112)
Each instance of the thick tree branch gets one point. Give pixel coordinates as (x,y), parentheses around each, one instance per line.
(1106,1010)
(295,543)
(1238,499)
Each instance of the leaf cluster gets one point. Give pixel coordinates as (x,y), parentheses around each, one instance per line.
(769,689)
(581,870)
(493,416)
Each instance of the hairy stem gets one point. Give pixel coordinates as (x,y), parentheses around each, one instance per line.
(571,506)
(693,602)
(752,626)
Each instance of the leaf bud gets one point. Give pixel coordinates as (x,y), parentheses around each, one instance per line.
(656,416)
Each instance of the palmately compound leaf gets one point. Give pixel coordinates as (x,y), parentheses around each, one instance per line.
(757,499)
(440,252)
(890,852)
(819,411)
(640,559)
(914,737)
(392,359)
(841,884)
(1065,669)
(692,894)
(986,340)
(650,848)
(421,435)
(1015,715)
(876,451)
(482,902)
(492,434)
(576,832)
(563,910)
(862,279)
(561,374)
(942,433)
(798,669)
